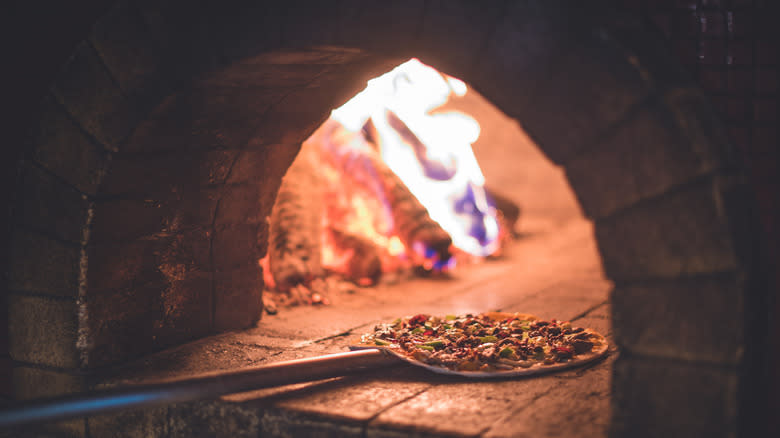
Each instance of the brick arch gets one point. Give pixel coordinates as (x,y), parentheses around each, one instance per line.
(639,145)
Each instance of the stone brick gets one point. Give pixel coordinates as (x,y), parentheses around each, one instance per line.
(565,300)
(51,207)
(206,117)
(300,112)
(127,323)
(63,149)
(242,204)
(358,398)
(42,265)
(271,70)
(43,330)
(90,95)
(187,299)
(122,220)
(585,103)
(653,397)
(694,113)
(463,409)
(214,418)
(35,383)
(533,56)
(235,245)
(115,266)
(295,118)
(685,232)
(185,40)
(321,56)
(263,163)
(247,30)
(146,423)
(129,53)
(649,52)
(285,423)
(237,297)
(708,325)
(649,153)
(577,407)
(465,25)
(165,175)
(304,23)
(365,25)
(521,44)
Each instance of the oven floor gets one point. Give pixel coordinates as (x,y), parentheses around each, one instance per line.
(551,274)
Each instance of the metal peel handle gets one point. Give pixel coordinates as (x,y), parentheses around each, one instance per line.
(199,387)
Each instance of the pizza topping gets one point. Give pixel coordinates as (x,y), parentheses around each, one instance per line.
(486,342)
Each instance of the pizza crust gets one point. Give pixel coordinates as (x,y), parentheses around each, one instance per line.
(599,350)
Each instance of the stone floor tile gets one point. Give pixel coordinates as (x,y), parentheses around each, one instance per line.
(574,408)
(463,407)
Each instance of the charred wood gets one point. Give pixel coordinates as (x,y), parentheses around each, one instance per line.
(364,264)
(361,164)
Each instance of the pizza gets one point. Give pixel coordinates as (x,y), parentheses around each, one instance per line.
(489,344)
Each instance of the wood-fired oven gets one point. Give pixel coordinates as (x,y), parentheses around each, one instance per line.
(158,151)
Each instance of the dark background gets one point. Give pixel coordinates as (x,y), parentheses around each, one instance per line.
(728,46)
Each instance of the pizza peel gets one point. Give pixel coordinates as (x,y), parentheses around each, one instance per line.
(598,352)
(361,359)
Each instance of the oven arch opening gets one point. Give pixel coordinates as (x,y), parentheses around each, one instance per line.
(666,198)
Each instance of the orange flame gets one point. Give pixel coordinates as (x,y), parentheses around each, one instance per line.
(431,153)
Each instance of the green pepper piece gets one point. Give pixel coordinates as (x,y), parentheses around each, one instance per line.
(506,352)
(417,330)
(450,317)
(489,338)
(425,347)
(380,342)
(435,344)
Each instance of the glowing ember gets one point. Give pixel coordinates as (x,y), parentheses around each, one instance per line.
(430,152)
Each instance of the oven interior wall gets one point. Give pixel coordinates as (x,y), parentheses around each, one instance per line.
(606,111)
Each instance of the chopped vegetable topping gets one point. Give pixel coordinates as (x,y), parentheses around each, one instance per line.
(484,342)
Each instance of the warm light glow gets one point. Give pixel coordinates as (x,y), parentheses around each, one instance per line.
(431,153)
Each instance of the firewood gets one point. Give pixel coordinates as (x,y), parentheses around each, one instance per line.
(363,165)
(364,265)
(269,305)
(295,226)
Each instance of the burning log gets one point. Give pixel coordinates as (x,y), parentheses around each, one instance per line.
(364,166)
(363,264)
(414,225)
(295,226)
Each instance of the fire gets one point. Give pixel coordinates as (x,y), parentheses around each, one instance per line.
(388,183)
(430,152)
